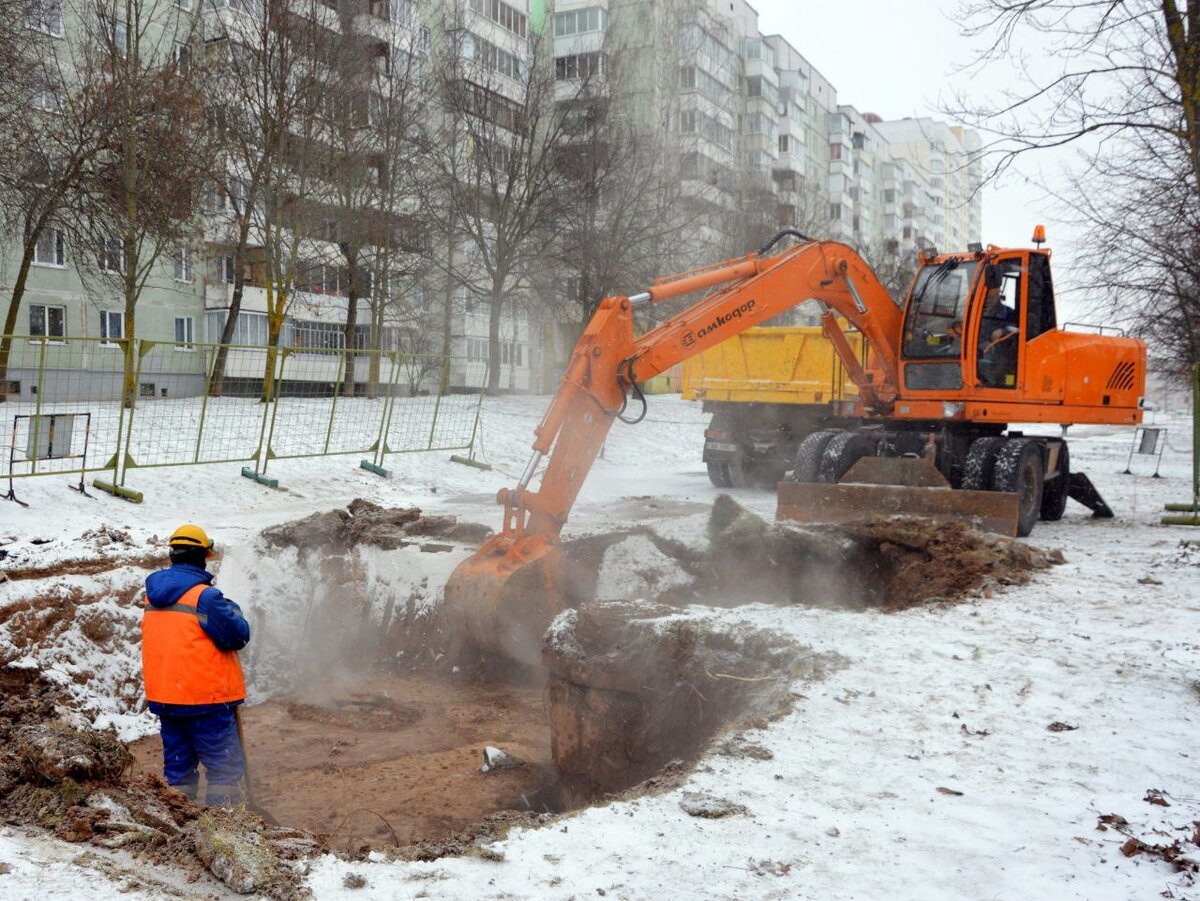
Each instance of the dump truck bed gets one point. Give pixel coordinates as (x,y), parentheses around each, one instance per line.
(774,365)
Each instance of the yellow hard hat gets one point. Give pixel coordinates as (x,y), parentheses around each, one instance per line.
(189,535)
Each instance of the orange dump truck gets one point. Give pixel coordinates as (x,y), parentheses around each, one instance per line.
(767,389)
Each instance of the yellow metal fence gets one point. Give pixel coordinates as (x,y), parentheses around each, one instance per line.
(192,403)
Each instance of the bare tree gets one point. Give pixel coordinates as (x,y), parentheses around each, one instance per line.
(1125,90)
(49,139)
(490,153)
(269,102)
(139,198)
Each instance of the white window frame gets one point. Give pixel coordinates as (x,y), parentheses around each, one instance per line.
(37,20)
(46,99)
(228,275)
(181,56)
(46,338)
(187,344)
(112,249)
(184,271)
(107,339)
(60,249)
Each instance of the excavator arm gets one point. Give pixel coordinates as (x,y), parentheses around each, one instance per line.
(502,598)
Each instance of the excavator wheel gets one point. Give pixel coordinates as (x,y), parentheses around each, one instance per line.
(1054,495)
(981,463)
(807,467)
(1019,471)
(843,451)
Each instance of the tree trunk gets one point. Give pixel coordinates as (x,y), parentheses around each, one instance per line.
(351,323)
(216,384)
(497,307)
(447,324)
(373,363)
(131,295)
(274,328)
(10,321)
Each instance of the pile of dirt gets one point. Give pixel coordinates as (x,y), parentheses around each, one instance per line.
(78,784)
(891,563)
(365,523)
(630,691)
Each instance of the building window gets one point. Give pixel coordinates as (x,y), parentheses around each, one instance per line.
(784,143)
(183,265)
(184,333)
(47,321)
(45,16)
(227,270)
(112,256)
(50,248)
(116,33)
(181,55)
(579,21)
(502,14)
(45,98)
(835,212)
(835,151)
(249,329)
(578,65)
(112,327)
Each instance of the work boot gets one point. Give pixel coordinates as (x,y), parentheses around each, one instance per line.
(223,795)
(190,789)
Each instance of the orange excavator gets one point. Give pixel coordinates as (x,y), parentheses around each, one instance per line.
(975,346)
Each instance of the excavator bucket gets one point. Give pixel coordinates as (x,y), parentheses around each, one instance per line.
(501,601)
(891,486)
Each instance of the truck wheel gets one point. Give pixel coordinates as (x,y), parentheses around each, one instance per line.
(808,456)
(1019,471)
(843,451)
(981,463)
(1054,494)
(718,474)
(741,471)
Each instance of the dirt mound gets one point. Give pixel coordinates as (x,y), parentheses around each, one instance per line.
(890,563)
(363,522)
(77,783)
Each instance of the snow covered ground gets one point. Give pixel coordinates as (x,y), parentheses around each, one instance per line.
(924,769)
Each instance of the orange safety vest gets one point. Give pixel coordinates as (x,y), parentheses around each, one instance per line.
(180,663)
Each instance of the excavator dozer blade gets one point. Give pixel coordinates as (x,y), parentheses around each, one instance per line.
(501,602)
(896,486)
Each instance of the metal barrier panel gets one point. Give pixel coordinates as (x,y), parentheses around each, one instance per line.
(177,421)
(329,402)
(426,418)
(52,376)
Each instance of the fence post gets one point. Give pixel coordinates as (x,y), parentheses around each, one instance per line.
(37,412)
(208,371)
(120,464)
(443,385)
(337,389)
(375,464)
(144,347)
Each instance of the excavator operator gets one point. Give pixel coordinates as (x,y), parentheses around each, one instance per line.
(998,331)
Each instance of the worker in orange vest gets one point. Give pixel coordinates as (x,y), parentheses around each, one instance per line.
(191,634)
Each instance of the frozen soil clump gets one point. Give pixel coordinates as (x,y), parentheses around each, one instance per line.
(77,783)
(363,522)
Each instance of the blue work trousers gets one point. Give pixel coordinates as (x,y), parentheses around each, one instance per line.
(211,739)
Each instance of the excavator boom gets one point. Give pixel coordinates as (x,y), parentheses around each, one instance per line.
(502,598)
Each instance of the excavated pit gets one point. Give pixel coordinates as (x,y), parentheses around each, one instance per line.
(365,735)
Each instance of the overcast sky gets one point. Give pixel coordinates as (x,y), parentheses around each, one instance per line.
(897,59)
